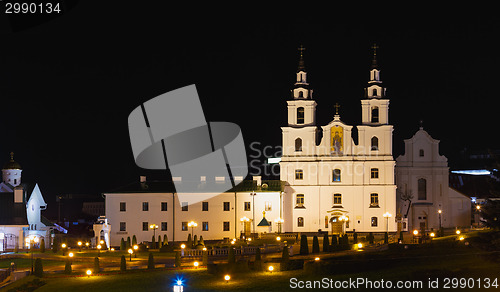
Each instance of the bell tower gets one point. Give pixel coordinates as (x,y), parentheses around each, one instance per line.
(375,106)
(301,108)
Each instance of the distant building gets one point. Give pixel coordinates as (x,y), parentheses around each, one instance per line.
(425,200)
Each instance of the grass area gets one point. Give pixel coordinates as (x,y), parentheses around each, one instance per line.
(436,260)
(22,263)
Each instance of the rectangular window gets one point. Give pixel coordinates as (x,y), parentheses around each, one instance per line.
(299,203)
(247,206)
(299,174)
(204,206)
(145,226)
(164,226)
(164,206)
(123,226)
(374,221)
(226,206)
(184,206)
(336,175)
(374,173)
(184,226)
(422,189)
(204,226)
(337,199)
(123,206)
(226,226)
(373,200)
(268,206)
(300,222)
(145,206)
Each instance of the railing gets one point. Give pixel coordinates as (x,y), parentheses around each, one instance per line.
(244,250)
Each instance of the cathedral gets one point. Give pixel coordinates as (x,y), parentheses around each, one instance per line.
(334,184)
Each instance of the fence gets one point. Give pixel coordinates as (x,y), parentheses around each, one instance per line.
(244,250)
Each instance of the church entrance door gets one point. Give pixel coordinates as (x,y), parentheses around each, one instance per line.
(337,225)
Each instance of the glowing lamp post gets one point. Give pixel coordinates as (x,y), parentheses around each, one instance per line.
(387,215)
(89,272)
(136,247)
(270,269)
(439,212)
(192,224)
(79,246)
(227,278)
(415,233)
(130,251)
(99,250)
(31,241)
(196,264)
(343,219)
(183,246)
(279,222)
(154,227)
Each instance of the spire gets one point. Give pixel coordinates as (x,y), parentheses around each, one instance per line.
(302,67)
(374,61)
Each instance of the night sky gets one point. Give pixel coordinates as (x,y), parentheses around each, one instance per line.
(68,85)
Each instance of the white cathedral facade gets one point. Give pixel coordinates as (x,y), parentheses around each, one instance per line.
(335,184)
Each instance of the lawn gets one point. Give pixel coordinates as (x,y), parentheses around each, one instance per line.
(415,263)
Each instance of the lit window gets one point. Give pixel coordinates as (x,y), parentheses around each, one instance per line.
(299,201)
(300,222)
(337,199)
(374,221)
(336,175)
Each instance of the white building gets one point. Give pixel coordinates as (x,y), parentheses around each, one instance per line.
(333,183)
(131,210)
(425,199)
(20,210)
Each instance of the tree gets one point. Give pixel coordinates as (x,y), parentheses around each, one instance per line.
(55,245)
(128,242)
(315,248)
(201,240)
(285,258)
(304,248)
(231,257)
(123,263)
(153,244)
(38,268)
(96,265)
(189,241)
(67,268)
(122,244)
(406,195)
(195,240)
(165,239)
(151,261)
(134,240)
(42,245)
(177,259)
(326,243)
(490,214)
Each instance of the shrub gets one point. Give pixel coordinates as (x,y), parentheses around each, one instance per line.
(165,240)
(315,247)
(386,238)
(134,240)
(285,258)
(355,236)
(123,264)
(151,261)
(55,245)
(158,245)
(122,244)
(38,268)
(304,249)
(231,258)
(67,268)
(371,238)
(96,265)
(326,243)
(189,241)
(177,259)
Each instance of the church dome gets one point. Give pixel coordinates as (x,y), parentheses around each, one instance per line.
(12,164)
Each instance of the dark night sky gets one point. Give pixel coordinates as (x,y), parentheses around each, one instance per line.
(68,85)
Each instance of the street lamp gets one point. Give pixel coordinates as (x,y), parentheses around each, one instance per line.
(64,246)
(387,215)
(439,212)
(154,227)
(415,233)
(253,194)
(79,245)
(279,221)
(343,219)
(192,224)
(136,247)
(130,251)
(99,250)
(31,241)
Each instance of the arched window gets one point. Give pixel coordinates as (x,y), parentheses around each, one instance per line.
(301,94)
(374,143)
(375,114)
(300,221)
(336,175)
(298,144)
(421,153)
(300,115)
(374,91)
(422,189)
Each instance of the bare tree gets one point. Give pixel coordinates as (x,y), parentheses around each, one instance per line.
(406,196)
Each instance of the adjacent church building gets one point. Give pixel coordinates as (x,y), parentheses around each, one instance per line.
(21,222)
(425,200)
